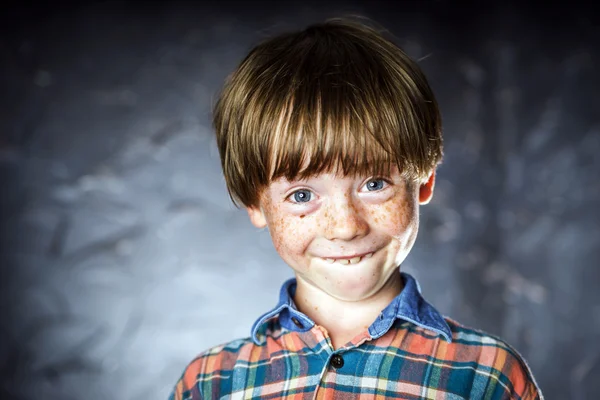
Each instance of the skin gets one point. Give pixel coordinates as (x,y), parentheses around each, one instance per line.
(330,216)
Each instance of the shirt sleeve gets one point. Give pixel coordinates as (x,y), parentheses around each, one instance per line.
(186,387)
(531,390)
(533,393)
(521,384)
(178,391)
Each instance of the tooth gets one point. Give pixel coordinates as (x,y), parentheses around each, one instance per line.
(348,261)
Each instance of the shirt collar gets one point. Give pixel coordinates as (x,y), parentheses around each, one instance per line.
(409,305)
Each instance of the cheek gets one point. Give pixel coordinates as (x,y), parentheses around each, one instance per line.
(290,235)
(279,229)
(397,219)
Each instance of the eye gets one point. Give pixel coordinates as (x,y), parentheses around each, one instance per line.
(376,184)
(301,196)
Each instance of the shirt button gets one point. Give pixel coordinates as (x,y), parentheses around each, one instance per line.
(337,361)
(297,323)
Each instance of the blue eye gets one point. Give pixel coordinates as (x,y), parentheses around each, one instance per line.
(375,184)
(302,196)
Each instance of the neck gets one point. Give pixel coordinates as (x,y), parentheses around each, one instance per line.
(344,320)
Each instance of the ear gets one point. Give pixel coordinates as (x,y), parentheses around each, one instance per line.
(257,217)
(426,189)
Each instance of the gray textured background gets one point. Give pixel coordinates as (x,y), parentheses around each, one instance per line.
(122,256)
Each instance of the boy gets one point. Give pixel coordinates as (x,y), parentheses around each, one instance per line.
(330,137)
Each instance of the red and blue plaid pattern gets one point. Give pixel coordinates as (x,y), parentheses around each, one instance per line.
(411,352)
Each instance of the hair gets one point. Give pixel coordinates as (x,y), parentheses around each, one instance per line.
(335,96)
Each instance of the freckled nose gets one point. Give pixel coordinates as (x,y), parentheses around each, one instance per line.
(344,221)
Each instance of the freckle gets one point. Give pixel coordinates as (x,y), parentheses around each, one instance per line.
(316,308)
(302,216)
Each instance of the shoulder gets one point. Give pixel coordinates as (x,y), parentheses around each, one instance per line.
(218,360)
(494,361)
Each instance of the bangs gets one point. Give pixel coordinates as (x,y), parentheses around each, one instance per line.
(311,142)
(346,112)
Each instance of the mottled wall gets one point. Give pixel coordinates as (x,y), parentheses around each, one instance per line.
(122,256)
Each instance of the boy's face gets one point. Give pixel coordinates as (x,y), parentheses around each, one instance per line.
(315,224)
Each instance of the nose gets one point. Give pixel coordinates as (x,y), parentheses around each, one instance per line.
(344,219)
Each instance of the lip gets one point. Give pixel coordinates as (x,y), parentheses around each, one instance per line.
(352,256)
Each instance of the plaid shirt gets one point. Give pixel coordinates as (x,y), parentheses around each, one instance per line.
(409,352)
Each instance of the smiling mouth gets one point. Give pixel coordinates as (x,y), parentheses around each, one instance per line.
(347,261)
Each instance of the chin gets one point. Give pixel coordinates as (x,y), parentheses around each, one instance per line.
(353,289)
